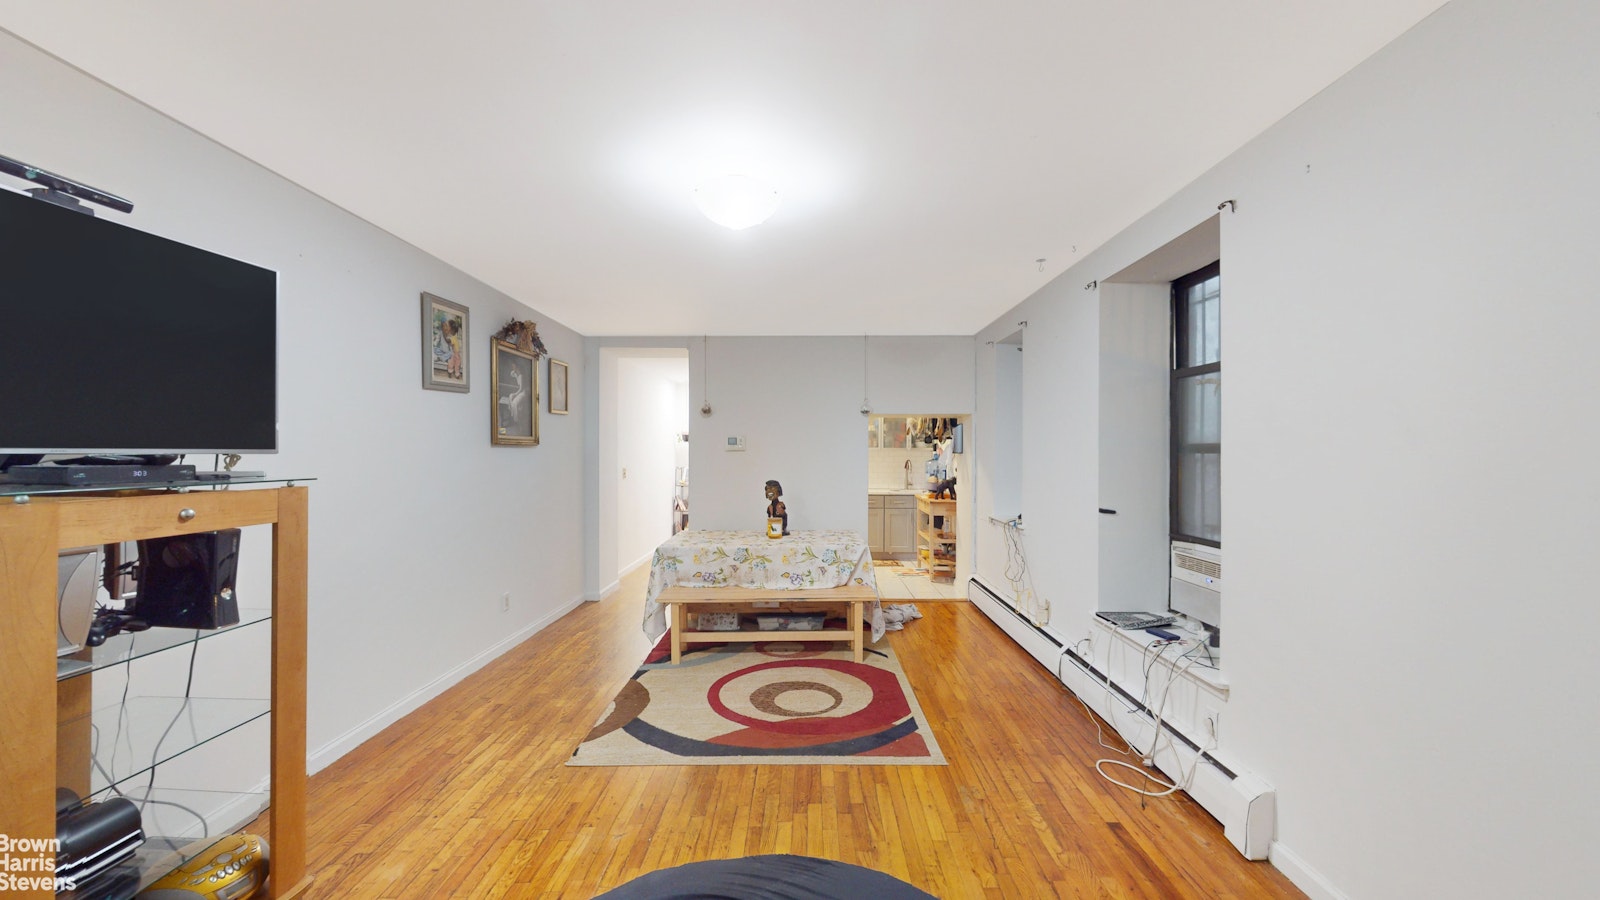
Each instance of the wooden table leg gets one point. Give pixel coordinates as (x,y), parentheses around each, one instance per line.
(678,620)
(856,641)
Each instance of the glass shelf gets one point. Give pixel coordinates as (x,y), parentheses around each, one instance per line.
(19,492)
(122,648)
(188,815)
(133,738)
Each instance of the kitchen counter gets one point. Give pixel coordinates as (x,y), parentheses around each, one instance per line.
(901,492)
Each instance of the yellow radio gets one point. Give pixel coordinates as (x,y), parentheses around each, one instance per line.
(232,867)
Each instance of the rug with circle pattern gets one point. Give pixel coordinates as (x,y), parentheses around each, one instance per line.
(778,701)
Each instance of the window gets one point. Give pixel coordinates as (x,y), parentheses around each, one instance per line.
(1196,492)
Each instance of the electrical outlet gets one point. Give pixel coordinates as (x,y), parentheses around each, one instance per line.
(505,602)
(1210,722)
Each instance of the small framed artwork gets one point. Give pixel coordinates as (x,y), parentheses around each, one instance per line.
(558,387)
(515,418)
(444,345)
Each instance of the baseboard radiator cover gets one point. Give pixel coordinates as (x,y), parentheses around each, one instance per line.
(1244,803)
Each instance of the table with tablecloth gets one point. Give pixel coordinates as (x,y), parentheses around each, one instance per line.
(804,561)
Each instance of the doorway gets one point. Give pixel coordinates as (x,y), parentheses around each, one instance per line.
(911,530)
(643,434)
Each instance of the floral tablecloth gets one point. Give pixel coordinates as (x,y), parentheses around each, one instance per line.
(750,559)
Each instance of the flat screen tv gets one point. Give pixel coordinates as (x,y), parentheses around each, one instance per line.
(120,342)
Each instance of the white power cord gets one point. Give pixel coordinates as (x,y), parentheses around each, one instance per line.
(1017,575)
(1147,758)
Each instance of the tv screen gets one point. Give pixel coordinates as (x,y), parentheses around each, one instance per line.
(118,341)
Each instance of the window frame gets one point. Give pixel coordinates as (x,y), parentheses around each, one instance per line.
(1179,350)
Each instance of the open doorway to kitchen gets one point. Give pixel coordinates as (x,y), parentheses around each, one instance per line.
(913,492)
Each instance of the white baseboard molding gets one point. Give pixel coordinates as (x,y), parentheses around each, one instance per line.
(1041,648)
(328,753)
(1307,879)
(632,567)
(608,590)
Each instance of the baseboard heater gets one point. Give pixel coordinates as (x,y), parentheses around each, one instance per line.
(1134,703)
(1244,804)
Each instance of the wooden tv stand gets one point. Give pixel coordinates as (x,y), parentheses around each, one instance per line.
(32,530)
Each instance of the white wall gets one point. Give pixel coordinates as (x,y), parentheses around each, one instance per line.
(1408,485)
(917,376)
(418,525)
(1058,493)
(1134,429)
(652,408)
(797,402)
(1008,375)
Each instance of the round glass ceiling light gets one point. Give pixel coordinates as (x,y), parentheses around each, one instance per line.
(736,201)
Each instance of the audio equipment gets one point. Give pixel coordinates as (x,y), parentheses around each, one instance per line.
(186,581)
(55,474)
(233,867)
(77,576)
(95,836)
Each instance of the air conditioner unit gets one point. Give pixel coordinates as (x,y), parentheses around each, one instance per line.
(1197,582)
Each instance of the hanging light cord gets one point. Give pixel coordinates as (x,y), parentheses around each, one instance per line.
(705,375)
(865,407)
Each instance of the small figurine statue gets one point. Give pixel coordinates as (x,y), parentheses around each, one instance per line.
(777,513)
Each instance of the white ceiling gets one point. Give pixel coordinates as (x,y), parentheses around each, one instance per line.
(928,151)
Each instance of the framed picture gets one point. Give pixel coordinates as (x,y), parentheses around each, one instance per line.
(444,345)
(558,387)
(515,418)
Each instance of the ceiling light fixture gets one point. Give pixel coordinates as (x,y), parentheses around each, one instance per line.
(736,201)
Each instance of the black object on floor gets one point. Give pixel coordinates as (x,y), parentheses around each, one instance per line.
(774,877)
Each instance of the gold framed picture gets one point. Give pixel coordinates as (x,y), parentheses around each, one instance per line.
(515,417)
(558,387)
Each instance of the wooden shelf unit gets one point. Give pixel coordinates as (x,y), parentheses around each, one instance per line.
(933,542)
(32,530)
(688,600)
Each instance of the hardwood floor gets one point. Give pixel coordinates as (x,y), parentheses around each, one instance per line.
(469,797)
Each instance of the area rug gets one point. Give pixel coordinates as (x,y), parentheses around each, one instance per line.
(778,701)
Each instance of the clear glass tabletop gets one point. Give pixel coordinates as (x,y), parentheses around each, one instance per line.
(18,490)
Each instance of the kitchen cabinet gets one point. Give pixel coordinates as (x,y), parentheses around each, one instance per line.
(892,524)
(888,433)
(875,523)
(900,524)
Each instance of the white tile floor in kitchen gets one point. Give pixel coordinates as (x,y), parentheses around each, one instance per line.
(898,581)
